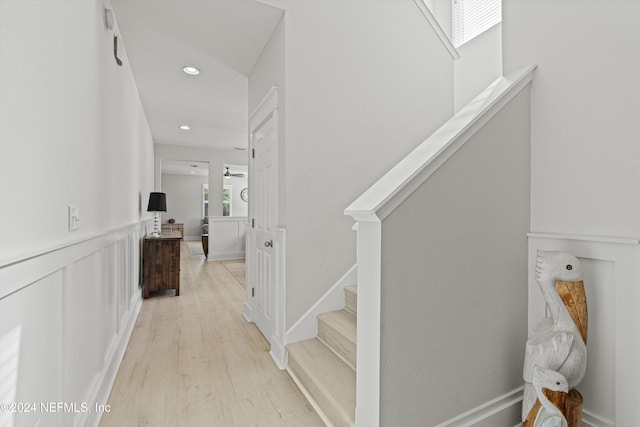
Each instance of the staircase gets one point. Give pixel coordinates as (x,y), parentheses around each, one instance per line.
(324,368)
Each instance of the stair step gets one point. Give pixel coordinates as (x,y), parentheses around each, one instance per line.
(337,329)
(351,298)
(327,382)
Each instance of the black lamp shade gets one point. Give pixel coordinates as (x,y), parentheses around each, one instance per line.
(157,202)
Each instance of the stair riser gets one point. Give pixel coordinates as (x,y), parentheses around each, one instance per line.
(340,344)
(351,301)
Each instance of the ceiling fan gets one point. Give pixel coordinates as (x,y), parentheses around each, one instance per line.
(228,174)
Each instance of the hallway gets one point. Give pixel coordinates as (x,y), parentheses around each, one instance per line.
(194,361)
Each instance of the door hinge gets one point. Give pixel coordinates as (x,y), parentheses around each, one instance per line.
(253,153)
(253,292)
(253,223)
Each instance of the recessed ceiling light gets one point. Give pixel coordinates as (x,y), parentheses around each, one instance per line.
(185,127)
(191,70)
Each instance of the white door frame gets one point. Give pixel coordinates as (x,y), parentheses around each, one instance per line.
(268,108)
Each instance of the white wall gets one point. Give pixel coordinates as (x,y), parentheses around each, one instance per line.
(269,71)
(365,83)
(238,206)
(585,127)
(72,131)
(480,63)
(453,282)
(184,201)
(216,159)
(585,173)
(442,10)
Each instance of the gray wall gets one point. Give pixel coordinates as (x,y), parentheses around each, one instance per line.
(454,280)
(184,201)
(216,159)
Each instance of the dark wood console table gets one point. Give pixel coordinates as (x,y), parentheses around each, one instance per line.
(161,263)
(205,244)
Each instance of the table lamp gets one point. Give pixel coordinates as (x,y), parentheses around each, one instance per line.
(157,204)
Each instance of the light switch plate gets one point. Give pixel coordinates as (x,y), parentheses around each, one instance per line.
(74,218)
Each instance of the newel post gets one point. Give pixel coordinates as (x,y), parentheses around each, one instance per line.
(369,241)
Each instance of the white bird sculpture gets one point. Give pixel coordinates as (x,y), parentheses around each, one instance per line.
(546,382)
(557,343)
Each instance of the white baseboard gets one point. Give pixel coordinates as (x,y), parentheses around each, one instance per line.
(278,352)
(247,312)
(193,238)
(490,412)
(109,376)
(307,326)
(591,420)
(223,255)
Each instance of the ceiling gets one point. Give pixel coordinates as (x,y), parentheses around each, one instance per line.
(183,167)
(223,38)
(180,167)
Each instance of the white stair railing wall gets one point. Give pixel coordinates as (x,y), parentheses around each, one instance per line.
(442,268)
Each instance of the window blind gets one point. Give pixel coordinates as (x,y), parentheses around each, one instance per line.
(473,17)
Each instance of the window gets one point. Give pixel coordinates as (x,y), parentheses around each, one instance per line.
(205,201)
(226,200)
(473,17)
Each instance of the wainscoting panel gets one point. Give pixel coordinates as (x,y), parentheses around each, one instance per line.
(500,411)
(66,315)
(122,277)
(82,337)
(109,308)
(227,237)
(134,279)
(611,387)
(31,351)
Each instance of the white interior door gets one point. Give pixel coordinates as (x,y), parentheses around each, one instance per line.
(263,205)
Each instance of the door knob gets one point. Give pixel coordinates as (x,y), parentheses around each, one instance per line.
(268,244)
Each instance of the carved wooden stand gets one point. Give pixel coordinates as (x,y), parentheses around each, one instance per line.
(556,354)
(570,404)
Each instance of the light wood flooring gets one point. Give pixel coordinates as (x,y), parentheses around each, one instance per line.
(194,361)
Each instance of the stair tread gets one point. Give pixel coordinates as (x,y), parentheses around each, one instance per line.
(343,321)
(326,378)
